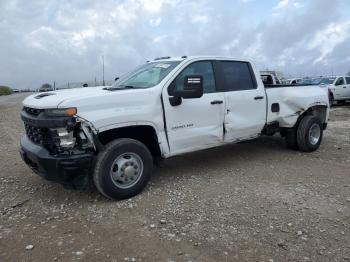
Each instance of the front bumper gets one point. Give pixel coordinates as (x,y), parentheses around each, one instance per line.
(62,169)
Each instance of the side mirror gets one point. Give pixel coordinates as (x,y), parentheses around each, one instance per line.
(193,88)
(116,79)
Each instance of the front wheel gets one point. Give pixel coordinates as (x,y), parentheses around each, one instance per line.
(123,169)
(309,133)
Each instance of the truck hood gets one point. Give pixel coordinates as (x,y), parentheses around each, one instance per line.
(103,108)
(53,99)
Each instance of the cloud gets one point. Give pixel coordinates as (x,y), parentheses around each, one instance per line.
(287,4)
(155,22)
(281,4)
(327,39)
(46,41)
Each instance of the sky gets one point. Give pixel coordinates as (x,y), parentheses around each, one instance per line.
(64,40)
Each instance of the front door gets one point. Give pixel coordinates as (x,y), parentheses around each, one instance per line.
(195,123)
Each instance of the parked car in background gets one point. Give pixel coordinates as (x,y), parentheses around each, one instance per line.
(270,79)
(293,81)
(338,86)
(308,81)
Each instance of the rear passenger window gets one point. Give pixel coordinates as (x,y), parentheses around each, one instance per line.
(348,80)
(237,76)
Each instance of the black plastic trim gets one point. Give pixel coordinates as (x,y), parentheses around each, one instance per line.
(164,120)
(58,168)
(275,107)
(42,120)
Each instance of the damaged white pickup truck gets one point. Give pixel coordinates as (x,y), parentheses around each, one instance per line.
(166,107)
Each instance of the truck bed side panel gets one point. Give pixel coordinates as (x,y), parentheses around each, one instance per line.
(293,101)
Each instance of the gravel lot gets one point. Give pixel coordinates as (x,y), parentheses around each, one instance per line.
(253,201)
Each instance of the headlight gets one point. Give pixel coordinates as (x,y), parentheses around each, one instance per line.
(61,111)
(65,139)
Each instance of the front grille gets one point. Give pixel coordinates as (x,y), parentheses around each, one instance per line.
(33,111)
(36,134)
(41,136)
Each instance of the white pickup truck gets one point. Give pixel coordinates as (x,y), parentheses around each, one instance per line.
(164,108)
(338,86)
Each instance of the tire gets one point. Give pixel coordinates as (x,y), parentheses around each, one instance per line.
(291,139)
(309,133)
(123,169)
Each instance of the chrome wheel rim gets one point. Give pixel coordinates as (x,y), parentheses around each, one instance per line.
(314,134)
(126,170)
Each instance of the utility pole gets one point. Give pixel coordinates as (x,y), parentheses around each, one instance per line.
(54,85)
(103,70)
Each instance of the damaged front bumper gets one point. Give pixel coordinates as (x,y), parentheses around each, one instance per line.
(65,169)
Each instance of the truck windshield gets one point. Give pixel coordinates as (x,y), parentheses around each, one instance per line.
(147,75)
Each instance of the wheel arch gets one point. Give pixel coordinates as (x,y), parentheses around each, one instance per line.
(146,134)
(320,111)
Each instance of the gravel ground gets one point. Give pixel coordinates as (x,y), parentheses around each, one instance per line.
(253,201)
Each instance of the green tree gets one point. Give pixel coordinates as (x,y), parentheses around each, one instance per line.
(5,90)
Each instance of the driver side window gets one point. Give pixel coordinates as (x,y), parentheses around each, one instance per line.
(203,68)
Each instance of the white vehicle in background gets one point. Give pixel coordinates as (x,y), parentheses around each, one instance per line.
(294,81)
(164,108)
(338,86)
(270,79)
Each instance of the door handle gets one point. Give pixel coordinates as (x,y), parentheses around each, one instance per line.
(344,86)
(258,97)
(216,102)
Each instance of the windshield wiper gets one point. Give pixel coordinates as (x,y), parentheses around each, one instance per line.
(119,87)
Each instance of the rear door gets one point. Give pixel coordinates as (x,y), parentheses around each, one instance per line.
(245,110)
(195,123)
